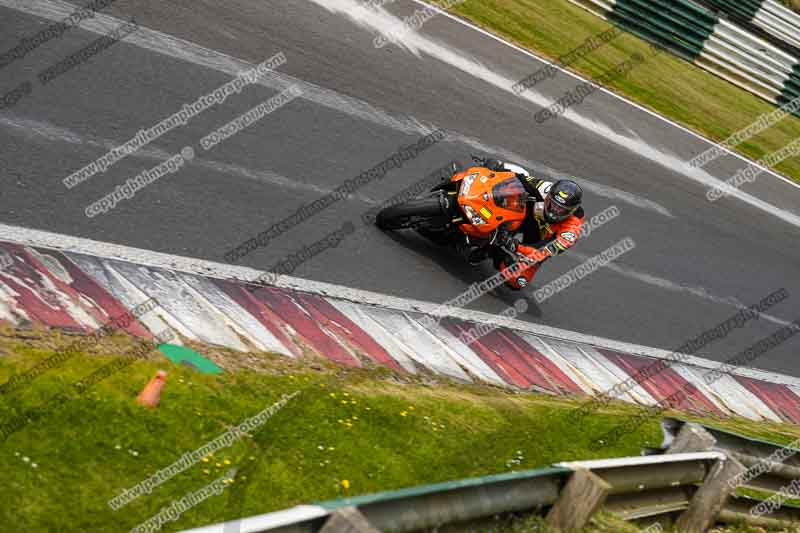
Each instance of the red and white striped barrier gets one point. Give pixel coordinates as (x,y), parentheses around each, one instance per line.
(77,284)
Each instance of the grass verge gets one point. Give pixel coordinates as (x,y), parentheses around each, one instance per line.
(794,5)
(666,84)
(348,432)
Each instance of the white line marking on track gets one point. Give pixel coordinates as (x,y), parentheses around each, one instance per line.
(382,21)
(178,48)
(175,47)
(53,133)
(608,92)
(663,283)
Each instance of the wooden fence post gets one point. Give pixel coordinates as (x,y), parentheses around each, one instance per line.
(348,520)
(583,495)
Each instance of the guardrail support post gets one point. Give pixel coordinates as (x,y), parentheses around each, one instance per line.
(713,494)
(711,497)
(582,496)
(692,438)
(348,520)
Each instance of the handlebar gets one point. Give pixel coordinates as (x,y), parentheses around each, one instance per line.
(518,256)
(515,257)
(502,237)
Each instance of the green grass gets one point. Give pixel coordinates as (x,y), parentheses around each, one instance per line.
(765,495)
(349,432)
(794,5)
(665,84)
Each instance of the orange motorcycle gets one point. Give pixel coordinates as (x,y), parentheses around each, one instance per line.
(477,210)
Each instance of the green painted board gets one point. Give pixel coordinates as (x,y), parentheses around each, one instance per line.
(183,355)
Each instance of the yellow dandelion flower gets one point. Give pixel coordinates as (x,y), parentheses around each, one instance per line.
(226,461)
(205,459)
(219,465)
(345,484)
(206,471)
(355,417)
(403,413)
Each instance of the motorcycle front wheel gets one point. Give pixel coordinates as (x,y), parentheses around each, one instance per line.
(417,213)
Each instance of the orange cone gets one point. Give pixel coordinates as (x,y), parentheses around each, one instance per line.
(151,393)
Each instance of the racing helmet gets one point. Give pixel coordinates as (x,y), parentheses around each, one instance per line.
(562,200)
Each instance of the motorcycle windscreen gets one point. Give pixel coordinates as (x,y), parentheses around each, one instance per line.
(510,194)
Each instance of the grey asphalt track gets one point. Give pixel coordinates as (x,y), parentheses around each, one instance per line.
(693,264)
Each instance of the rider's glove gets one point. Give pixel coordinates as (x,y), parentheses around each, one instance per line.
(507,242)
(535,254)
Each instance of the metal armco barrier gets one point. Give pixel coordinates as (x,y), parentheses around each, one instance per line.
(738,511)
(768,15)
(783,461)
(419,507)
(700,36)
(767,467)
(688,481)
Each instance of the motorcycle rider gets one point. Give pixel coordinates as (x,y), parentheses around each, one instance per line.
(550,228)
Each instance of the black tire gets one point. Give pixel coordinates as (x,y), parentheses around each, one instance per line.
(415,213)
